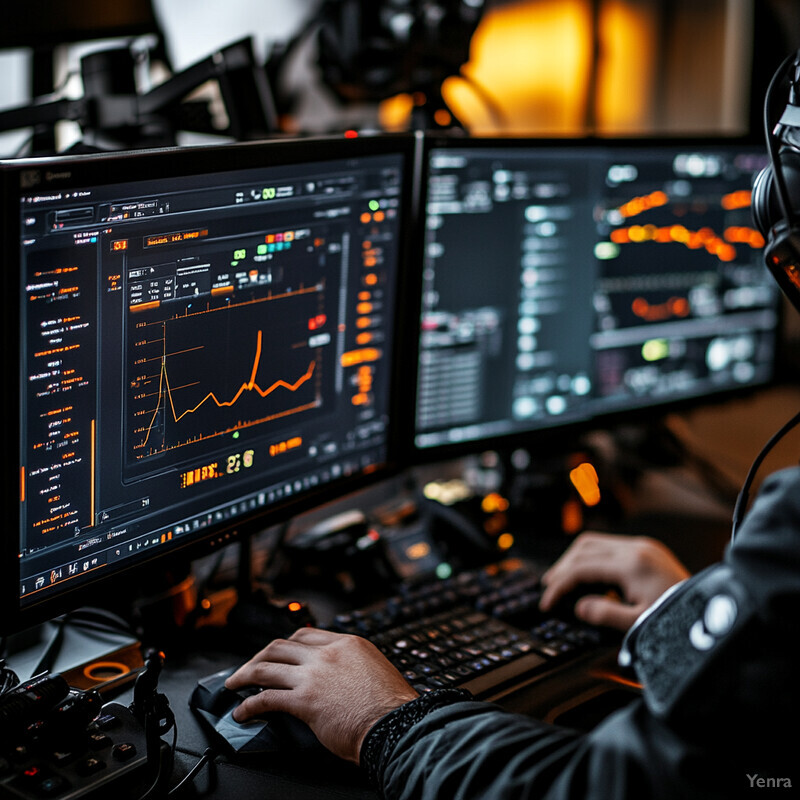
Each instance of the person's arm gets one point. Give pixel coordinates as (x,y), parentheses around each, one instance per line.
(435,745)
(641,567)
(474,750)
(445,744)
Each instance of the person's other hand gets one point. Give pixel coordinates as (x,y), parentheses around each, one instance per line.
(339,685)
(641,567)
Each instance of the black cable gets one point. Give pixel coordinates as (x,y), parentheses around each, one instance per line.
(8,678)
(741,500)
(209,755)
(153,733)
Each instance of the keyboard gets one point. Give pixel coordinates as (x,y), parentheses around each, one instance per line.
(481,630)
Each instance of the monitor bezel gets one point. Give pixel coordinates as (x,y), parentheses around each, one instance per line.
(80,171)
(546,440)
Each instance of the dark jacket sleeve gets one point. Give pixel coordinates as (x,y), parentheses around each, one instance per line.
(476,750)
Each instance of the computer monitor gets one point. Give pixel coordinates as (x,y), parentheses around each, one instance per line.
(196,342)
(566,281)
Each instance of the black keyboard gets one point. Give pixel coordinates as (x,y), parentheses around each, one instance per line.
(481,630)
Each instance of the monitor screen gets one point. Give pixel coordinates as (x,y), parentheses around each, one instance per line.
(196,341)
(566,280)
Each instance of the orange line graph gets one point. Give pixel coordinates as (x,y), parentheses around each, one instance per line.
(705,238)
(248,386)
(674,307)
(740,198)
(638,205)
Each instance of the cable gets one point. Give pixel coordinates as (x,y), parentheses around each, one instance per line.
(209,755)
(741,500)
(8,678)
(164,768)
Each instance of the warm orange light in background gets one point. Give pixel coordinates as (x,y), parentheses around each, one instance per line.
(505,541)
(530,71)
(626,70)
(533,59)
(584,479)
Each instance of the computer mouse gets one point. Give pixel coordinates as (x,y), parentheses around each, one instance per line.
(275,732)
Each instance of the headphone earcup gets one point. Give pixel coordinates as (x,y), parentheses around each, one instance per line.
(782,235)
(766,207)
(782,257)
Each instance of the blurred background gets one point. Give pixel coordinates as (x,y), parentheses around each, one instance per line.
(509,67)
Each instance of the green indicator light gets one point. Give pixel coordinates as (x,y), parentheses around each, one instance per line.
(655,349)
(262,249)
(374,205)
(443,571)
(236,434)
(605,250)
(239,255)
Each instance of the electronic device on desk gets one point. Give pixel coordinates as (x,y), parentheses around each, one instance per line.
(57,741)
(356,554)
(198,342)
(570,284)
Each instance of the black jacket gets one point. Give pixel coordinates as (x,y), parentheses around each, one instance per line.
(718,716)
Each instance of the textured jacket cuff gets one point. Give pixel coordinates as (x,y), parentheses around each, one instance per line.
(380,741)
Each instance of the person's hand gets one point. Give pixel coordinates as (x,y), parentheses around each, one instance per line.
(642,568)
(339,685)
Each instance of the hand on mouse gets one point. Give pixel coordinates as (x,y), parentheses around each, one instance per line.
(641,567)
(340,685)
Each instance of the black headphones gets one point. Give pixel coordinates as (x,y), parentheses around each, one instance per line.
(776,190)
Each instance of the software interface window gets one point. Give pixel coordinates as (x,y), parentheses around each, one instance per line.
(562,283)
(196,350)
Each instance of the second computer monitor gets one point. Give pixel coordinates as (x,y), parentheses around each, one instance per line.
(568,280)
